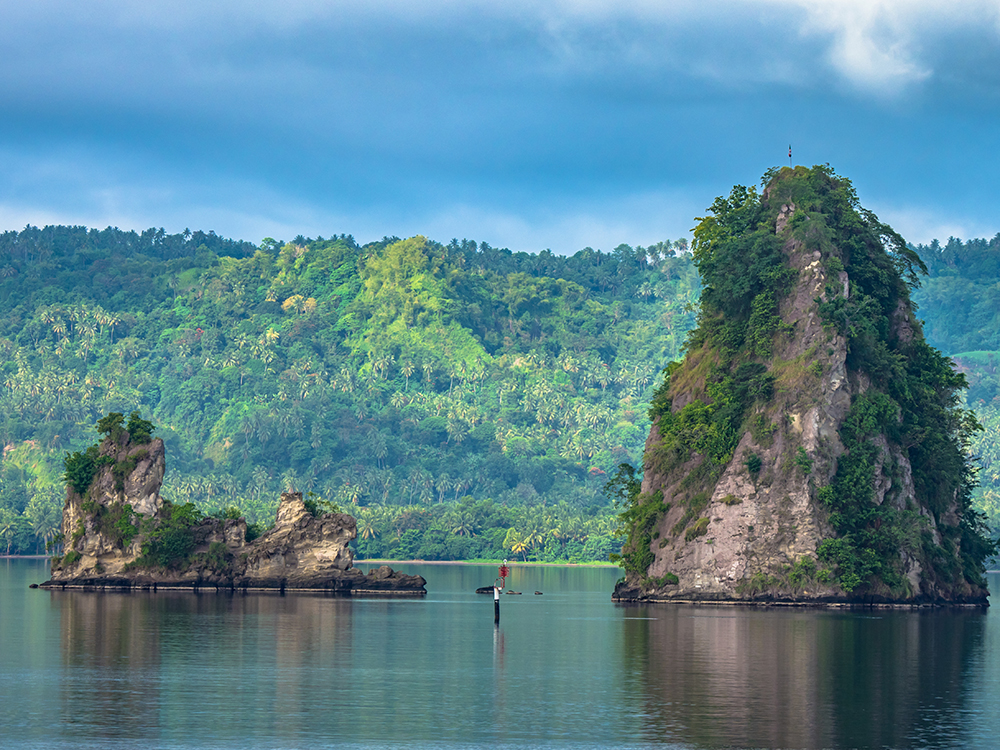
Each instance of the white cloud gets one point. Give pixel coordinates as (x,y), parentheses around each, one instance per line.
(878,45)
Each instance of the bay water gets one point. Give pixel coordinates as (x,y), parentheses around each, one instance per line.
(565,668)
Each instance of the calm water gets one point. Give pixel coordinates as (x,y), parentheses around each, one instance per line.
(569,668)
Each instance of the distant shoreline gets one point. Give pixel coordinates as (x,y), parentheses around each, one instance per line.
(519,563)
(428,562)
(414,562)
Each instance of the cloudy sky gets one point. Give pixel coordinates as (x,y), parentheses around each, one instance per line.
(525,123)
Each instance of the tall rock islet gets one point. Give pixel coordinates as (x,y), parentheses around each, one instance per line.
(810,448)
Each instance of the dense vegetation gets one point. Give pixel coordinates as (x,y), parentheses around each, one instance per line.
(960,303)
(443,394)
(461,400)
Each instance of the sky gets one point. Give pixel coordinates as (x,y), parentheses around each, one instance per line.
(528,124)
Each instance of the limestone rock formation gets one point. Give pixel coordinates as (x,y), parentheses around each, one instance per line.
(120,533)
(806,341)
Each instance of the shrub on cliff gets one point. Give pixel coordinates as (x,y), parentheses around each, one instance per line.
(170,540)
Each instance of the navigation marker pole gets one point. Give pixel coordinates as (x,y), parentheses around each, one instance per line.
(502,578)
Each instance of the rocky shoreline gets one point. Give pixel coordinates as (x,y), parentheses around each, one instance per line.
(383,581)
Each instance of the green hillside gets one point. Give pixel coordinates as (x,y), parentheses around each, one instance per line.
(445,394)
(461,400)
(960,302)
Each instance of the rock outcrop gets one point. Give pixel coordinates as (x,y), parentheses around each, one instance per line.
(749,492)
(120,533)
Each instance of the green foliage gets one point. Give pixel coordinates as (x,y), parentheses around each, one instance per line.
(920,412)
(639,517)
(70,558)
(803,461)
(700,528)
(316,363)
(757,584)
(140,431)
(731,500)
(118,522)
(739,258)
(805,571)
(623,487)
(317,506)
(667,579)
(912,404)
(762,429)
(122,524)
(169,541)
(694,507)
(869,535)
(483,530)
(791,578)
(712,429)
(229,513)
(218,558)
(660,403)
(255,531)
(121,470)
(112,426)
(764,322)
(80,468)
(958,299)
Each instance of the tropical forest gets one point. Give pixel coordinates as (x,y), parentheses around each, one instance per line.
(463,402)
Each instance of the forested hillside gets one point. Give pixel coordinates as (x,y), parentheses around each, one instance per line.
(960,304)
(444,394)
(461,400)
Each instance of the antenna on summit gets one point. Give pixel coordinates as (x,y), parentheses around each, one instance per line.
(789,154)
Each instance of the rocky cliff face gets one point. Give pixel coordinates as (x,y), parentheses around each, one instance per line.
(749,491)
(100,526)
(120,533)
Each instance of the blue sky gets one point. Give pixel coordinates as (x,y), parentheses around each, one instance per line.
(526,124)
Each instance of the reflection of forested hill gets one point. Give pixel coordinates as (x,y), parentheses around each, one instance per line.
(400,377)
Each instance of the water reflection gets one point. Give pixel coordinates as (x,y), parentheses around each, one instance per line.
(155,665)
(88,670)
(803,678)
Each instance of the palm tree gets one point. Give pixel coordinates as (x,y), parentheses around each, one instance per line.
(366,528)
(461,485)
(289,480)
(407,370)
(443,484)
(463,525)
(515,543)
(8,526)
